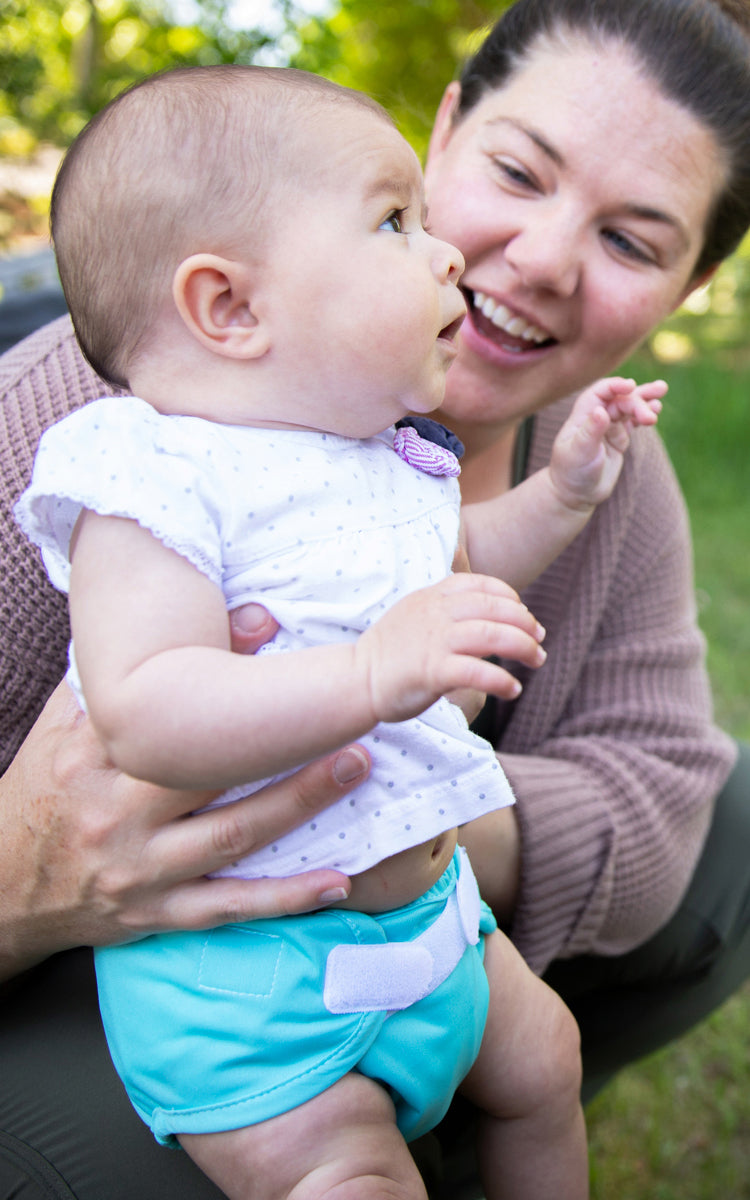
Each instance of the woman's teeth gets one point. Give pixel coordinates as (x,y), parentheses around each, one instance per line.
(504,319)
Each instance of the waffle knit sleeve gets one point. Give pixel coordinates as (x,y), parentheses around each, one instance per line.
(611,749)
(41,380)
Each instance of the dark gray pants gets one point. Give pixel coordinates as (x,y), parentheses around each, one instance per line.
(628,1006)
(67,1129)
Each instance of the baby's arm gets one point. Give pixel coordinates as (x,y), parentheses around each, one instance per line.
(517,535)
(173,705)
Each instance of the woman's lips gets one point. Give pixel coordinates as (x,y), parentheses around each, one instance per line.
(504,327)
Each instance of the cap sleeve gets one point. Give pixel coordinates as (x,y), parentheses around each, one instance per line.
(119,457)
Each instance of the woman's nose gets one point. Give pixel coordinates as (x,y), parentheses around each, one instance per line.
(547,255)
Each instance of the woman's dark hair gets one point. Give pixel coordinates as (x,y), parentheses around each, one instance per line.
(696,51)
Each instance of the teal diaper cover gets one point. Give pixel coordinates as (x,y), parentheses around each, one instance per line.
(224,1028)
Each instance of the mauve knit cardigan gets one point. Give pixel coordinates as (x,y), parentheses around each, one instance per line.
(610,749)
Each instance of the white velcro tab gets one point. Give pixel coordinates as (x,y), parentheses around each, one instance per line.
(391,976)
(467,895)
(376,978)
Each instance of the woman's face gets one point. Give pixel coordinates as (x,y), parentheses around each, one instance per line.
(578,195)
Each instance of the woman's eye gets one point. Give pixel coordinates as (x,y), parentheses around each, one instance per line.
(392,222)
(515,174)
(622,244)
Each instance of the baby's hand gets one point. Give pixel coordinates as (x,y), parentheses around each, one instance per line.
(435,640)
(588,452)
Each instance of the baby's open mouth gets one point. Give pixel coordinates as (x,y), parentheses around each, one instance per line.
(505,328)
(449,331)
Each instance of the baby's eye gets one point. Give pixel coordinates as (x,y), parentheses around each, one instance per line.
(393,222)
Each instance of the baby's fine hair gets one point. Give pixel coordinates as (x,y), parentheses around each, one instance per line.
(183,162)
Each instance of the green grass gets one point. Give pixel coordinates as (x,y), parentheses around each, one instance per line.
(706,426)
(677,1126)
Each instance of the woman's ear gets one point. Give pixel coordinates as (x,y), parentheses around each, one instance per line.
(443,126)
(214,297)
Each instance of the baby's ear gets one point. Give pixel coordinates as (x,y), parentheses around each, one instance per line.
(214,297)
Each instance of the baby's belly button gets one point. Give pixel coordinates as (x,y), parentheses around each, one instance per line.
(438,846)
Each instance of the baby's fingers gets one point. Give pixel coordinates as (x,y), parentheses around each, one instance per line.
(645,412)
(497,639)
(641,406)
(655,390)
(612,389)
(484,596)
(489,677)
(465,582)
(495,680)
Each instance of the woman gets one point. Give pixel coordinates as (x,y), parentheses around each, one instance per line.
(593,166)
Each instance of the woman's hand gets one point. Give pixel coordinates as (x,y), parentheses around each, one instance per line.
(91,856)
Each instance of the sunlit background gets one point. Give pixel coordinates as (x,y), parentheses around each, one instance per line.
(61,60)
(677,1127)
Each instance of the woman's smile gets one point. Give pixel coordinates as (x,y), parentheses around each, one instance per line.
(506,327)
(580,232)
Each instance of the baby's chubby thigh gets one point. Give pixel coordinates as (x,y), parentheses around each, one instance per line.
(530,1052)
(343,1143)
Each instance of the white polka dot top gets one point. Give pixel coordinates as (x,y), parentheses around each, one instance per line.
(327,532)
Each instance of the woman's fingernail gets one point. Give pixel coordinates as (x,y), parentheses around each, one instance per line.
(541,632)
(350,765)
(332,895)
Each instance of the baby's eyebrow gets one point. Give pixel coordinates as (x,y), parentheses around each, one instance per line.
(400,189)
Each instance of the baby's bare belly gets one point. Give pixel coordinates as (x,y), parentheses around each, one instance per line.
(403,877)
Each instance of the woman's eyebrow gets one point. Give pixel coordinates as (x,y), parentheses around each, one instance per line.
(643,211)
(535,136)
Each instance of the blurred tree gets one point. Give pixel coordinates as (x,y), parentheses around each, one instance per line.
(401,53)
(63,60)
(714,321)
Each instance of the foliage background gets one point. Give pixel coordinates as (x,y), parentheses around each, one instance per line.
(62,60)
(678,1126)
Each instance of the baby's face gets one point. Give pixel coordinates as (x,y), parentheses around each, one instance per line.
(364,301)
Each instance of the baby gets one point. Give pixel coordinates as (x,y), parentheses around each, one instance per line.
(244,251)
